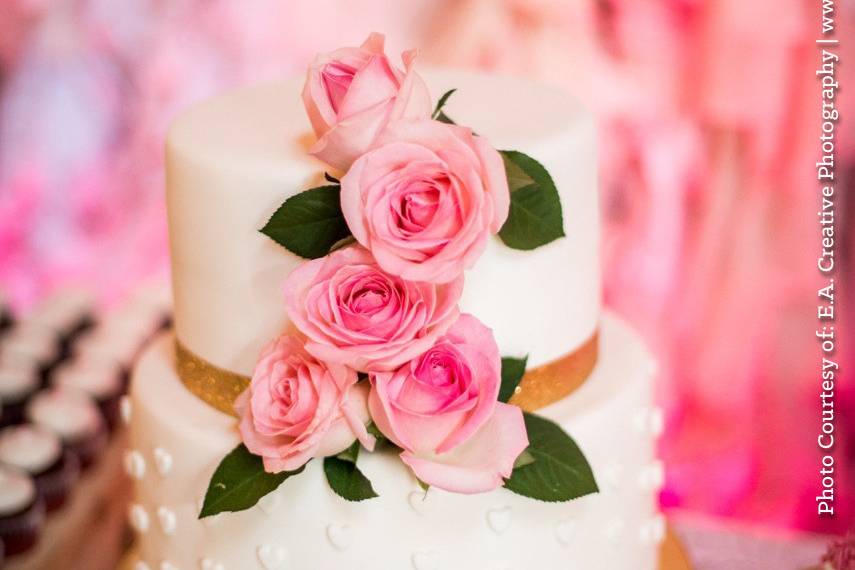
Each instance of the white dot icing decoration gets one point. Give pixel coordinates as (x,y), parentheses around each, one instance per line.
(272,557)
(162,460)
(339,536)
(134,464)
(425,560)
(499,519)
(168,520)
(125,409)
(565,531)
(138,518)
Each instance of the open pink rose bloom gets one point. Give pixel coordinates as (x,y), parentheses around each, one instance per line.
(352,93)
(442,409)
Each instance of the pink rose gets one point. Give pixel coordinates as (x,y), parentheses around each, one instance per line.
(350,94)
(442,409)
(297,408)
(425,199)
(355,314)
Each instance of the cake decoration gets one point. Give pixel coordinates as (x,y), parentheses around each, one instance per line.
(380,352)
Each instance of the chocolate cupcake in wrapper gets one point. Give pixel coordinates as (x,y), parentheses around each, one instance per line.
(7,319)
(111,343)
(67,313)
(22,512)
(31,344)
(40,453)
(100,379)
(74,418)
(19,381)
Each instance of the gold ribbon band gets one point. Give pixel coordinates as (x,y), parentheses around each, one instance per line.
(213,385)
(538,388)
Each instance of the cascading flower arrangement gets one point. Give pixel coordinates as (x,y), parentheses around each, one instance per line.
(381,354)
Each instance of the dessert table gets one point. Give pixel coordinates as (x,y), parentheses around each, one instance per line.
(715,544)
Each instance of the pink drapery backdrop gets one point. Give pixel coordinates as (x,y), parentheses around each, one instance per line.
(709,116)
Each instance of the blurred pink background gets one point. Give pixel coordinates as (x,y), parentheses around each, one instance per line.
(709,115)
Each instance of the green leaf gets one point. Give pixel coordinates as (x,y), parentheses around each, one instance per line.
(440,104)
(559,472)
(345,478)
(351,453)
(535,216)
(524,458)
(443,118)
(512,372)
(239,482)
(310,223)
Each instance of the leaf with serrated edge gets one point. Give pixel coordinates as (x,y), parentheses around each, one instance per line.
(560,471)
(535,217)
(239,482)
(512,373)
(309,224)
(346,480)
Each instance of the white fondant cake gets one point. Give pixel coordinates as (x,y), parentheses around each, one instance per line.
(230,163)
(304,525)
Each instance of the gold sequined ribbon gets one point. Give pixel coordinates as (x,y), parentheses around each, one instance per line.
(541,386)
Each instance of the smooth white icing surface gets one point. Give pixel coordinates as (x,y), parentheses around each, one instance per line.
(67,413)
(233,160)
(29,448)
(305,525)
(17,490)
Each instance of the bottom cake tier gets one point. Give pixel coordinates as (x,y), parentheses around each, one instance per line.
(177,441)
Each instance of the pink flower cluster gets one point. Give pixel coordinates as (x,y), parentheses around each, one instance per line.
(421,198)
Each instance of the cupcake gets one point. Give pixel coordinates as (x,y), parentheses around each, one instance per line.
(101,380)
(7,319)
(29,343)
(22,512)
(111,344)
(40,453)
(18,383)
(67,313)
(73,417)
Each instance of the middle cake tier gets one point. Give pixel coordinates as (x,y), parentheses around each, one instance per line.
(232,160)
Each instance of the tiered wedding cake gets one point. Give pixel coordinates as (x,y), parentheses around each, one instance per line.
(231,162)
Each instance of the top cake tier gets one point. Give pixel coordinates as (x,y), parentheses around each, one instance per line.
(232,160)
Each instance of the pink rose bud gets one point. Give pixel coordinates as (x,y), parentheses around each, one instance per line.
(351,93)
(297,408)
(425,199)
(442,409)
(357,315)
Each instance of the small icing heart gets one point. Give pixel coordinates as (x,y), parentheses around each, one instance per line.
(339,536)
(565,531)
(499,519)
(425,560)
(134,464)
(417,501)
(167,519)
(208,564)
(270,502)
(162,460)
(125,410)
(140,565)
(138,518)
(272,557)
(166,565)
